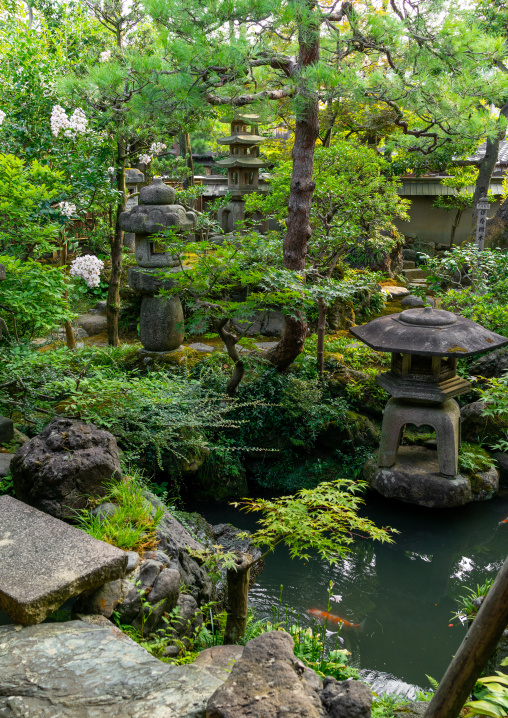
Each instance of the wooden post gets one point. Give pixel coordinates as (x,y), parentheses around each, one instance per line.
(238,598)
(474,651)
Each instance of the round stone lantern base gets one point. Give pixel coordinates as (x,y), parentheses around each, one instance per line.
(415,479)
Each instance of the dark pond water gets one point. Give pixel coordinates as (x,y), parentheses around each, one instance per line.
(403,594)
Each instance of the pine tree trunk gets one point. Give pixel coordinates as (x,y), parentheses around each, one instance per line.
(113,300)
(302,186)
(486,167)
(238,597)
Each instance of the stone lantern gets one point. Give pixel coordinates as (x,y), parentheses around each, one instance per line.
(425,345)
(161,319)
(243,165)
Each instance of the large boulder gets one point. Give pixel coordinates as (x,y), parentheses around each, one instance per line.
(356,430)
(346,699)
(480,429)
(67,462)
(92,670)
(266,679)
(493,364)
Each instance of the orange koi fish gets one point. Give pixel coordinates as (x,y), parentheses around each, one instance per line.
(334,619)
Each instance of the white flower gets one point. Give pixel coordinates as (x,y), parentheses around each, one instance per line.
(2,116)
(145,159)
(105,56)
(87,267)
(59,120)
(111,170)
(336,598)
(67,209)
(78,121)
(157,147)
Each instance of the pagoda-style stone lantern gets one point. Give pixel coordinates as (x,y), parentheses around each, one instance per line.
(425,345)
(243,166)
(161,319)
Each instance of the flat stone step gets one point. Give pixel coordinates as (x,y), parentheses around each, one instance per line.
(202,348)
(396,292)
(79,669)
(44,561)
(408,264)
(92,323)
(411,274)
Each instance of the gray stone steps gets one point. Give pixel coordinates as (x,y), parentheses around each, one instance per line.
(408,264)
(411,274)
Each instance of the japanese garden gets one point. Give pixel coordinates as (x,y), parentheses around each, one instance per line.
(253,358)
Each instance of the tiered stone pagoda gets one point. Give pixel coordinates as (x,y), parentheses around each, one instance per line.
(243,166)
(425,345)
(161,319)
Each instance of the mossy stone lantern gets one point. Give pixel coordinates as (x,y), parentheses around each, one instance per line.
(161,318)
(425,345)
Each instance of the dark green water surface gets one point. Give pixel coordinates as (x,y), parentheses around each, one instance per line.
(403,594)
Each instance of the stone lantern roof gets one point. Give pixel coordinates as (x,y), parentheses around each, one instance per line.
(156,211)
(428,332)
(241,139)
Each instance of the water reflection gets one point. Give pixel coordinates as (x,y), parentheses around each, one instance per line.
(403,594)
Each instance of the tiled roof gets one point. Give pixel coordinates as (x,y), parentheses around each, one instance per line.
(502,158)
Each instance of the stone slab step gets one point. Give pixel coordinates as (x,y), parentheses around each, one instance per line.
(92,670)
(408,264)
(396,292)
(202,348)
(411,274)
(44,561)
(92,323)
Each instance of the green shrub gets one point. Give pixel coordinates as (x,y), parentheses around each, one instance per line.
(132,527)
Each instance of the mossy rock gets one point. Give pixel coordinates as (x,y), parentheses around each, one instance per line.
(359,388)
(477,428)
(478,466)
(12,446)
(357,430)
(340,314)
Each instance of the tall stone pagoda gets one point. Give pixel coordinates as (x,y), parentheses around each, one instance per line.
(243,166)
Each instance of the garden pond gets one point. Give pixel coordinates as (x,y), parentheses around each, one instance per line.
(403,595)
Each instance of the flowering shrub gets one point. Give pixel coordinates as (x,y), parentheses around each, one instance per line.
(67,209)
(155,148)
(2,116)
(105,56)
(77,122)
(87,267)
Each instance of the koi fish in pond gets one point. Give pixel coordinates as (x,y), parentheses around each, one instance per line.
(504,521)
(333,619)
